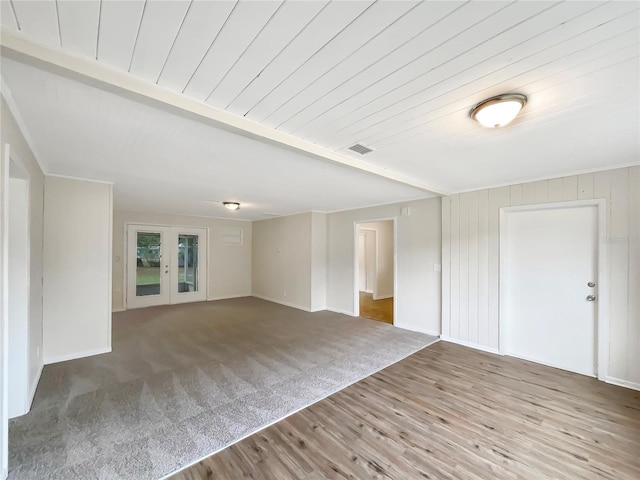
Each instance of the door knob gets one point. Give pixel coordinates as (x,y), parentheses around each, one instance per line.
(591,298)
(591,284)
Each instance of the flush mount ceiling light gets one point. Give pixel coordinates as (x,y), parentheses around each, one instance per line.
(231,205)
(498,111)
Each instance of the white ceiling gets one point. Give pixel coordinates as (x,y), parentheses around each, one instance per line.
(398,76)
(163,162)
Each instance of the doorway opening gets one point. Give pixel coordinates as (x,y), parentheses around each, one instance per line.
(552,309)
(375,270)
(165,265)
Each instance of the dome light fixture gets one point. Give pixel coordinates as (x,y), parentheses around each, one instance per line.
(231,205)
(498,111)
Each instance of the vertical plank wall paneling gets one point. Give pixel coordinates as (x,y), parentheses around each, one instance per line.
(470,256)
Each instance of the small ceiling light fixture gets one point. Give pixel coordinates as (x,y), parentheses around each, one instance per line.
(231,205)
(498,111)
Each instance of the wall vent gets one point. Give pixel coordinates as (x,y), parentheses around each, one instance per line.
(361,149)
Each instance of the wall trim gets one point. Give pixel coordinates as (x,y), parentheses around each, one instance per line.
(73,356)
(80,179)
(343,312)
(433,333)
(464,343)
(571,173)
(4,312)
(382,297)
(15,111)
(623,383)
(34,386)
(228,297)
(118,309)
(387,204)
(286,304)
(156,212)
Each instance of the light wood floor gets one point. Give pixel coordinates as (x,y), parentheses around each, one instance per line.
(449,412)
(381,310)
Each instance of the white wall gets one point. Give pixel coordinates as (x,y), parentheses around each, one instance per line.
(11,134)
(18,290)
(228,268)
(419,249)
(77,268)
(318,261)
(470,230)
(282,258)
(383,251)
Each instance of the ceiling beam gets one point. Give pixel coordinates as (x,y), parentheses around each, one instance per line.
(107,78)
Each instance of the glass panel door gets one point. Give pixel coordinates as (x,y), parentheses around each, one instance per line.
(148,273)
(187,263)
(165,265)
(148,268)
(189,281)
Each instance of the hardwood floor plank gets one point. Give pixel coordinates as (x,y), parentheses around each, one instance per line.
(380,310)
(449,412)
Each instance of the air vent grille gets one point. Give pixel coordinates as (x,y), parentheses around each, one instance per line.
(361,149)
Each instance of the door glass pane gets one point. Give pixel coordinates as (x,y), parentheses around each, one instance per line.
(148,261)
(187,263)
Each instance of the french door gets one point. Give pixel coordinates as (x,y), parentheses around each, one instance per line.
(165,265)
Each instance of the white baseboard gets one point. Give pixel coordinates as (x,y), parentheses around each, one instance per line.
(73,356)
(34,386)
(464,343)
(622,383)
(286,304)
(318,309)
(118,309)
(433,333)
(337,310)
(227,297)
(382,297)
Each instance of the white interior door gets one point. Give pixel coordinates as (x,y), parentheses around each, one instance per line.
(550,287)
(165,265)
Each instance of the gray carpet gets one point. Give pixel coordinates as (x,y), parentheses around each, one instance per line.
(184,381)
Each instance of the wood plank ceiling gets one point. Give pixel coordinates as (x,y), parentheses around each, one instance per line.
(398,76)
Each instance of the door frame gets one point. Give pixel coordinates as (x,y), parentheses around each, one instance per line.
(25,268)
(356,271)
(125,257)
(374,290)
(4,311)
(602,315)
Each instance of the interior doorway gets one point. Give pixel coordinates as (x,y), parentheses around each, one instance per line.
(375,270)
(550,284)
(165,265)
